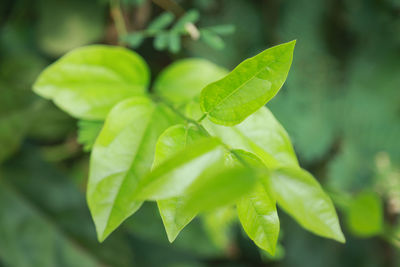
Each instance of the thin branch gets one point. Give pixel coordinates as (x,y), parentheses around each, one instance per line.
(172,6)
(201,128)
(118,17)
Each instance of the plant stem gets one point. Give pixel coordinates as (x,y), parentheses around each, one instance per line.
(172,6)
(183,116)
(202,117)
(116,13)
(201,128)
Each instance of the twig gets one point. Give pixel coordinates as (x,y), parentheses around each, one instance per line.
(170,5)
(201,128)
(118,17)
(173,7)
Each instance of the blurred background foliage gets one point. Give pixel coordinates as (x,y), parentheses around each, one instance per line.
(340,105)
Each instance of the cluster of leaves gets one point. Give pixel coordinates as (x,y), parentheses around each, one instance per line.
(348,113)
(357,120)
(202,141)
(55,228)
(170,39)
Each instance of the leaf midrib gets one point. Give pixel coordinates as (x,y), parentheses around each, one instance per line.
(260,217)
(130,168)
(243,84)
(122,78)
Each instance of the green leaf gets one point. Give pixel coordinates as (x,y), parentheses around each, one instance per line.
(122,155)
(161,41)
(240,157)
(300,195)
(248,87)
(257,210)
(223,29)
(218,224)
(365,215)
(173,140)
(259,218)
(219,186)
(183,80)
(87,82)
(174,217)
(212,39)
(134,40)
(192,16)
(174,42)
(161,22)
(260,134)
(88,132)
(171,177)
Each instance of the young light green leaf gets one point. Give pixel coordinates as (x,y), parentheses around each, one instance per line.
(183,80)
(218,186)
(260,134)
(122,155)
(300,195)
(240,157)
(173,216)
(259,218)
(248,87)
(87,82)
(171,178)
(257,210)
(173,140)
(365,215)
(88,132)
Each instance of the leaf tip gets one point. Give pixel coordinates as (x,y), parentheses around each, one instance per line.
(102,233)
(270,249)
(101,237)
(171,236)
(340,238)
(337,234)
(291,43)
(272,252)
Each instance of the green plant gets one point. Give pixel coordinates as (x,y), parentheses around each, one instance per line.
(171,38)
(199,140)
